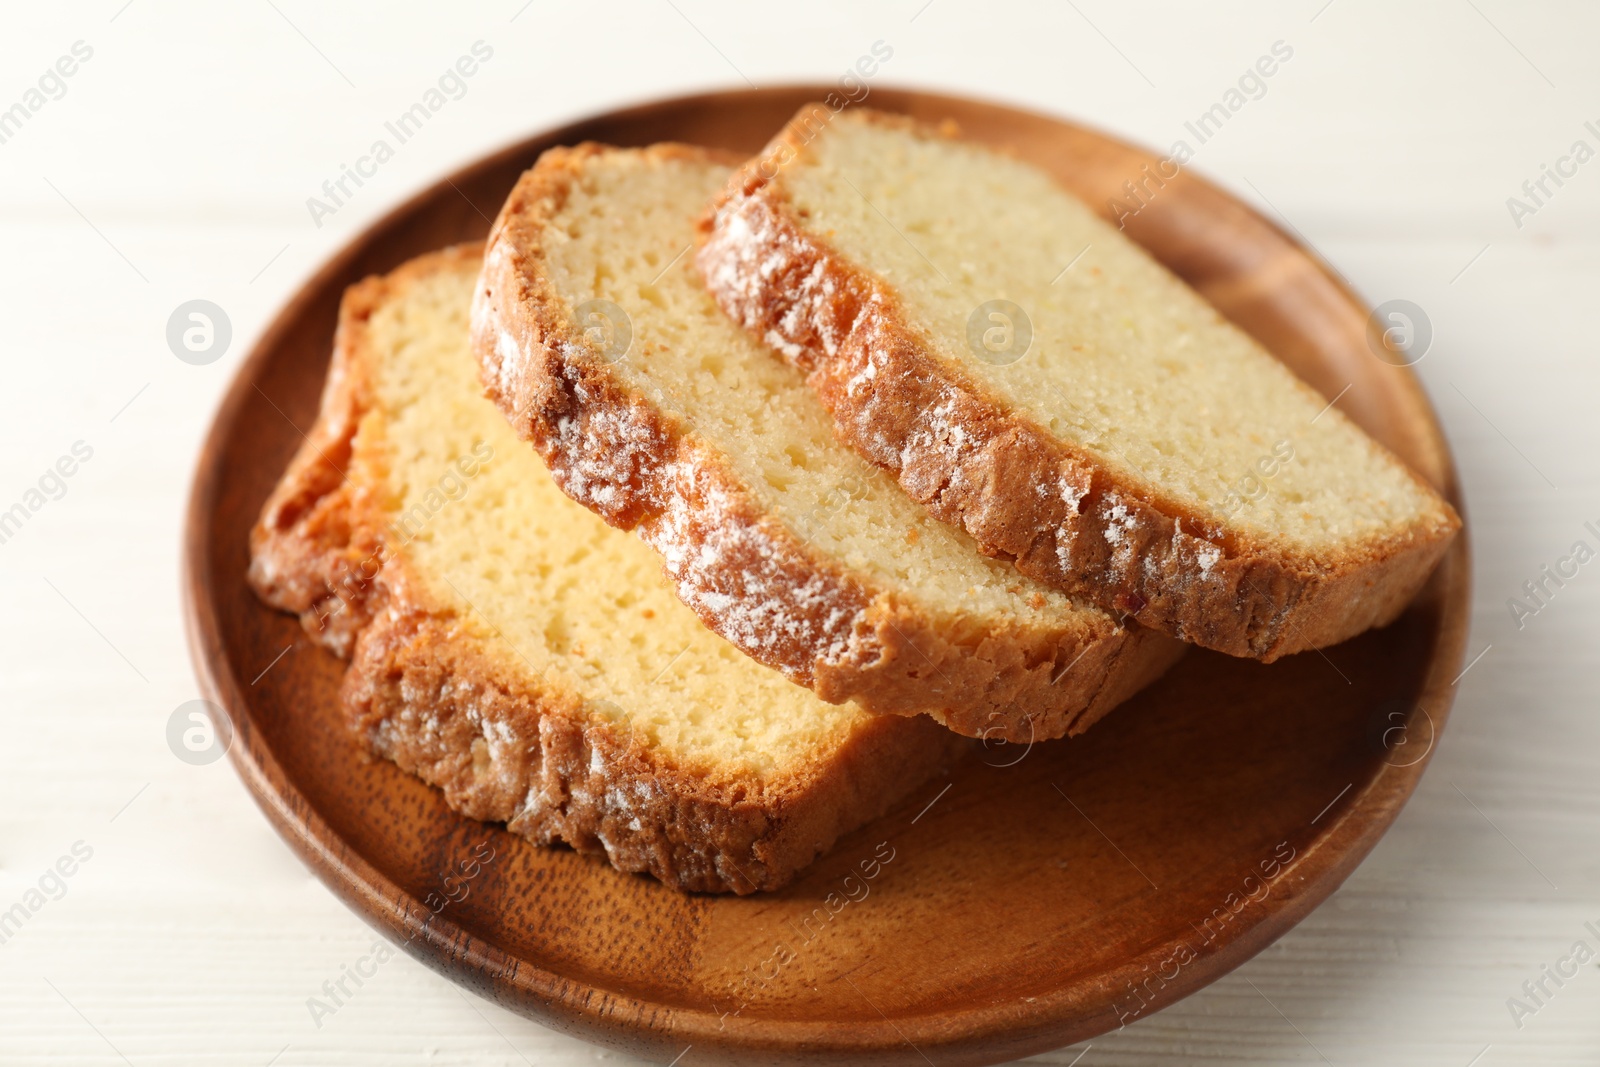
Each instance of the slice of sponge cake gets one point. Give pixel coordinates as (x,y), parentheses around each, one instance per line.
(513,650)
(602,347)
(1093,424)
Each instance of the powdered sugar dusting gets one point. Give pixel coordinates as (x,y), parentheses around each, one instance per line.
(750,581)
(862,379)
(745,258)
(733,231)
(939,433)
(1065,536)
(1119,522)
(603,450)
(776,341)
(1072,494)
(509,354)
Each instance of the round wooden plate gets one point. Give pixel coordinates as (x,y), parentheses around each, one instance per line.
(1035,897)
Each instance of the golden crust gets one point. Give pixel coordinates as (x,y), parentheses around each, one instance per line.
(825,626)
(421,692)
(1174,570)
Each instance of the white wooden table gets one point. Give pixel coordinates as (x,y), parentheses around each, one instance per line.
(175,163)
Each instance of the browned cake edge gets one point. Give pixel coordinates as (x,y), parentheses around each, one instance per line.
(1064,519)
(422,693)
(748,575)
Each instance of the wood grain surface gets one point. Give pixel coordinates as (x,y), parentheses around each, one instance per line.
(1037,897)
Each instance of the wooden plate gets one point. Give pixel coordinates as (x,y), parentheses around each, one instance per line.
(1037,897)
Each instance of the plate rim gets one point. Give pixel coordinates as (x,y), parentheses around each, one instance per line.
(611,1018)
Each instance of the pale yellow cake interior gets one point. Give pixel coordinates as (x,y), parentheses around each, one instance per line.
(624,235)
(541,583)
(1125,361)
